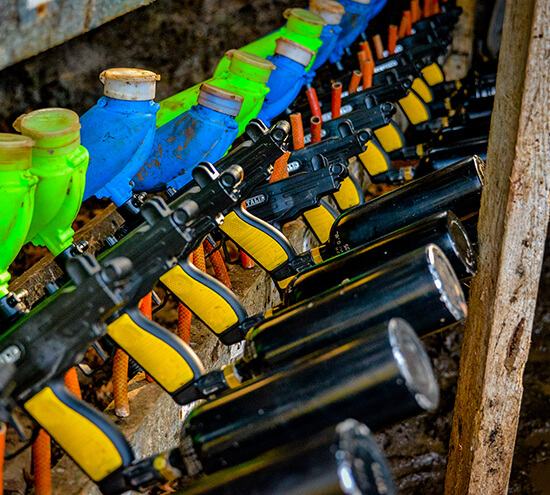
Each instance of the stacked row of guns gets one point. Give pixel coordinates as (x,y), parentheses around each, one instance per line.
(345,340)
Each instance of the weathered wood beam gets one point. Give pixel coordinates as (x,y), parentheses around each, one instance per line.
(46,270)
(512,230)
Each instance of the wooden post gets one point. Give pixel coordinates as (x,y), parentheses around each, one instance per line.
(512,231)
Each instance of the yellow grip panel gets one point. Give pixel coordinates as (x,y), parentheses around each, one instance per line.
(85,442)
(415,109)
(389,137)
(374,159)
(320,220)
(347,196)
(202,300)
(433,74)
(283,284)
(423,90)
(164,363)
(257,243)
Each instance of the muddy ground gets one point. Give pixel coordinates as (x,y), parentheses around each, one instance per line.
(182,41)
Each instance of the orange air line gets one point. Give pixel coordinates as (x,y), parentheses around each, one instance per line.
(41,461)
(415,11)
(368,73)
(316,124)
(365,47)
(2,453)
(378,47)
(280,169)
(427,8)
(313,102)
(218,264)
(71,382)
(355,80)
(297,130)
(184,315)
(405,23)
(336,101)
(120,384)
(392,39)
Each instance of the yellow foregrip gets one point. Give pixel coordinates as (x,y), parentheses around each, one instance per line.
(423,90)
(257,238)
(320,220)
(390,137)
(159,358)
(433,74)
(347,196)
(203,300)
(85,442)
(374,159)
(414,107)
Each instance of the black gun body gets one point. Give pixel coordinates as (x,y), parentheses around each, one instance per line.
(443,229)
(286,199)
(360,379)
(456,188)
(322,465)
(438,158)
(420,286)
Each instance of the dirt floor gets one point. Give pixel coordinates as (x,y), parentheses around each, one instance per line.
(194,34)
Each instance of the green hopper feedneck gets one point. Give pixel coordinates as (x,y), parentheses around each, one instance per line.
(17,189)
(60,163)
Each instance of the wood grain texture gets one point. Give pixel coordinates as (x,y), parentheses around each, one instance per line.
(512,230)
(46,270)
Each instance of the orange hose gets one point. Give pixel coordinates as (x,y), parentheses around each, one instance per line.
(427,8)
(378,47)
(246,261)
(218,264)
(405,23)
(368,73)
(297,130)
(2,453)
(71,382)
(184,315)
(336,101)
(280,169)
(355,80)
(365,47)
(415,11)
(184,323)
(316,124)
(362,57)
(313,102)
(120,384)
(146,306)
(198,258)
(42,460)
(392,38)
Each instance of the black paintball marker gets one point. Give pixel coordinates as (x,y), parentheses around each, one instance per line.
(51,339)
(326,464)
(420,285)
(363,379)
